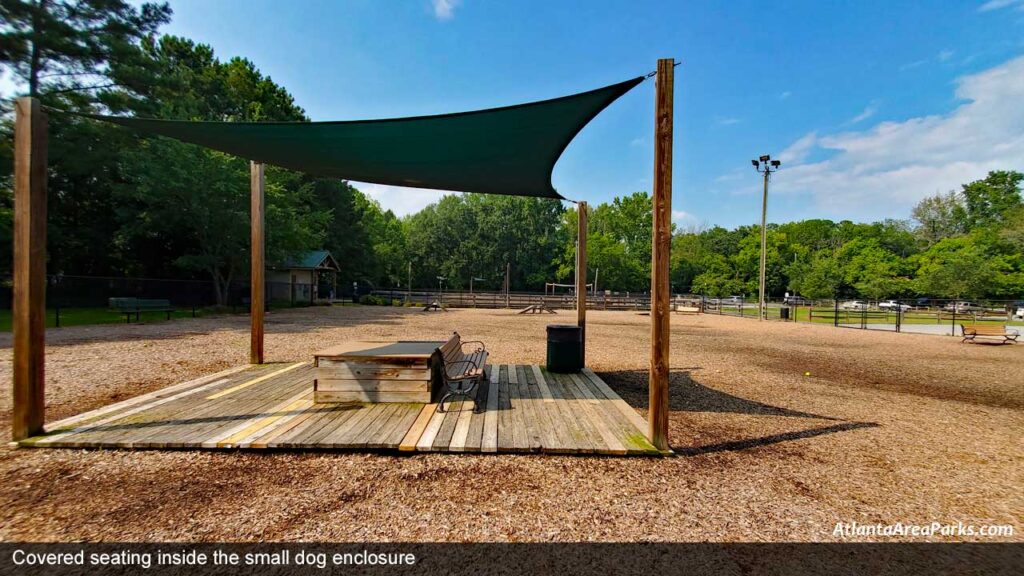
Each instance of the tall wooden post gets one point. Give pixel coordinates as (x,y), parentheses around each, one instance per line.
(256,300)
(661,245)
(29,305)
(581,278)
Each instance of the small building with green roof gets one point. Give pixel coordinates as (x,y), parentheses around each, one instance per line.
(307,277)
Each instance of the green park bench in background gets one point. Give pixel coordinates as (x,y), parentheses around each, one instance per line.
(136,306)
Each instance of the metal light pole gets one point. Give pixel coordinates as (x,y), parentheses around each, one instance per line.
(766,166)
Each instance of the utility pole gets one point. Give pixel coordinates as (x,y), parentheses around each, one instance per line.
(766,166)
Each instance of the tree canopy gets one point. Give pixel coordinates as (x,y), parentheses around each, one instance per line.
(123,204)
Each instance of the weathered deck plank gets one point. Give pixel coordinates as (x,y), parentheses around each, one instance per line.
(518,408)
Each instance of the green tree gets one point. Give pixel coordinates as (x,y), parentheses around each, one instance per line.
(66,46)
(940,216)
(190,205)
(955,268)
(822,278)
(989,200)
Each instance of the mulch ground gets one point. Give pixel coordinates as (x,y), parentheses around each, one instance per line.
(885,428)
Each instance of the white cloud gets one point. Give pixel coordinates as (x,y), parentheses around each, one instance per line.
(997,4)
(638,142)
(913,64)
(402,201)
(868,112)
(9,87)
(797,151)
(683,218)
(445,9)
(884,170)
(785,95)
(726,120)
(945,55)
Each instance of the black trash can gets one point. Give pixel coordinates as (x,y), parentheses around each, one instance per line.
(565,348)
(784,312)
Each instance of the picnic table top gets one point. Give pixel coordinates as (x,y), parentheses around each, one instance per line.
(404,349)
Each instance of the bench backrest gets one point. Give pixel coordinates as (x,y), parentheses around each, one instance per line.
(121,302)
(137,303)
(153,303)
(452,349)
(984,329)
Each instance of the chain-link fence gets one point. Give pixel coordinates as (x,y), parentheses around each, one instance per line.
(78,300)
(918,315)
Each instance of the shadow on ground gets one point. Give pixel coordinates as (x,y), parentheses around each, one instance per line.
(688,395)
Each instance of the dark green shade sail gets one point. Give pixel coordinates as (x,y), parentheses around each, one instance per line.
(510,150)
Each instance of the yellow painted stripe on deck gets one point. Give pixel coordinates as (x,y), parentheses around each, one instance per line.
(238,387)
(289,411)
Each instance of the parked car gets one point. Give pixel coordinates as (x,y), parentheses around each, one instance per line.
(732,301)
(923,302)
(1019,314)
(894,305)
(796,301)
(854,305)
(963,306)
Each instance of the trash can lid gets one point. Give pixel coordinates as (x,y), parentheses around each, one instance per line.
(560,327)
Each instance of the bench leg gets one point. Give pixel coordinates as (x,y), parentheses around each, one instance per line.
(457,390)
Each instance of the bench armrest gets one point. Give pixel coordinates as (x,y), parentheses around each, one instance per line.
(482,346)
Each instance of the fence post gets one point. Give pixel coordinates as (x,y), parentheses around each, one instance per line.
(835,316)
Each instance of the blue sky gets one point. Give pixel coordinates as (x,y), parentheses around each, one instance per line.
(871,105)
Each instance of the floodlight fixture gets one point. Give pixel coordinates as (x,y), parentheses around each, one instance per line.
(776,163)
(755,163)
(765,158)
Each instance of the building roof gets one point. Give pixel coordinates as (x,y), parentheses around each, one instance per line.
(312,260)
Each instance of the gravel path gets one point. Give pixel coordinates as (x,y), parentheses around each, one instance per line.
(885,428)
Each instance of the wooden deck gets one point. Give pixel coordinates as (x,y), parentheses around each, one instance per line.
(523,409)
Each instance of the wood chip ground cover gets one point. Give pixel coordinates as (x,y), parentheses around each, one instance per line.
(886,428)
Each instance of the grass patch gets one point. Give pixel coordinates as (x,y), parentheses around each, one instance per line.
(90,316)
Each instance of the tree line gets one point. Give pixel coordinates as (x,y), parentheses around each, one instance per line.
(122,204)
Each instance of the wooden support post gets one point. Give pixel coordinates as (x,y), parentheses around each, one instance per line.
(256,299)
(581,278)
(661,245)
(29,304)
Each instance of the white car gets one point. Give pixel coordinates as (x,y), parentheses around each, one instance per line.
(964,307)
(894,305)
(1019,314)
(854,305)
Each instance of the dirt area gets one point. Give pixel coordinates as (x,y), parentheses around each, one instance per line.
(781,430)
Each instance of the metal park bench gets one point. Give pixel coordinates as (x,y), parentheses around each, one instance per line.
(990,331)
(136,306)
(462,369)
